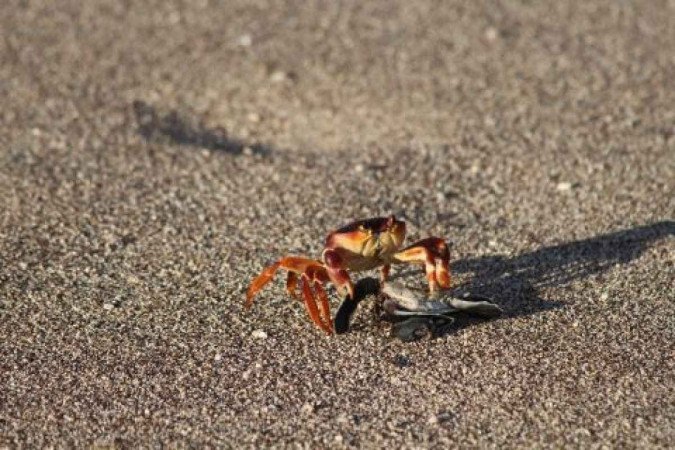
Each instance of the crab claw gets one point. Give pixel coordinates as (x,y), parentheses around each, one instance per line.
(337,274)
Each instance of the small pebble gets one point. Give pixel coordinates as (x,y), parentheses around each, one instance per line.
(259,334)
(491,34)
(564,186)
(108,306)
(278,76)
(245,40)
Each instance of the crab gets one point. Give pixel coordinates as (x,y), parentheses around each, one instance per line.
(358,246)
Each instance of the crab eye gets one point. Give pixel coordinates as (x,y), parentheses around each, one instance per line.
(365,230)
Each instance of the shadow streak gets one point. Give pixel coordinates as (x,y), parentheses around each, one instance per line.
(563,263)
(173,128)
(513,283)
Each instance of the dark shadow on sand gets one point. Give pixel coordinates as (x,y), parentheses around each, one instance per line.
(513,283)
(505,278)
(175,128)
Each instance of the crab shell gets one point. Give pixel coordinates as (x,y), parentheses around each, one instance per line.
(366,244)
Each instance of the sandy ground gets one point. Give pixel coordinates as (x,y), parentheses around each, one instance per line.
(156,155)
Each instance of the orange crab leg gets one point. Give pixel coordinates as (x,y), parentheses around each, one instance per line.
(294,264)
(310,304)
(384,272)
(420,255)
(318,277)
(433,253)
(442,261)
(292,285)
(324,306)
(443,271)
(260,281)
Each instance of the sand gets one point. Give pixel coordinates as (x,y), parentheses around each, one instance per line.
(155,156)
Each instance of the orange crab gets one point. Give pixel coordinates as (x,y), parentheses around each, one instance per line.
(361,245)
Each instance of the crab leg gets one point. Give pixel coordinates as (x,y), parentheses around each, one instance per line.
(384,273)
(443,272)
(324,306)
(295,264)
(318,277)
(292,285)
(310,304)
(420,255)
(261,280)
(433,253)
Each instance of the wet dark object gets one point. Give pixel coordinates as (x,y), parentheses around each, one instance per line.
(413,315)
(362,289)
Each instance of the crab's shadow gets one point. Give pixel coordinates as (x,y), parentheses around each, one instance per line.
(514,282)
(177,128)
